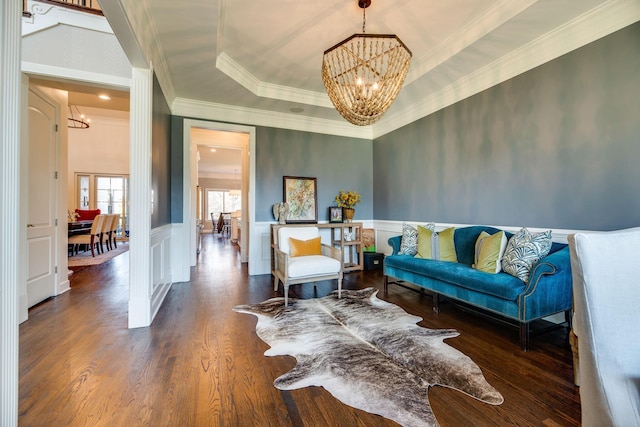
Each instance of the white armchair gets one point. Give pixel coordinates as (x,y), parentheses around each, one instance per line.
(606,292)
(292,270)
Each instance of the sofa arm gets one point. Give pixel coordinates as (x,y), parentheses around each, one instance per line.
(549,289)
(395,242)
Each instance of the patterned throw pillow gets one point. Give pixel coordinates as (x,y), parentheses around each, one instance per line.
(409,242)
(523,250)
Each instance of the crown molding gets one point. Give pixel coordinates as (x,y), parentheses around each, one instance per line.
(495,16)
(230,113)
(240,75)
(593,25)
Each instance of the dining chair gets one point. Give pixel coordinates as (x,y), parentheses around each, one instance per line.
(105,234)
(115,222)
(92,239)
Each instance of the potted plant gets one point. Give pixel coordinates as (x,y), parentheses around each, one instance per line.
(348,200)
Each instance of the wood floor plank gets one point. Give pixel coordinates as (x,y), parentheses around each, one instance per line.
(202,364)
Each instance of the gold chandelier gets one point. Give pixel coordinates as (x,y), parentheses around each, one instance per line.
(364,73)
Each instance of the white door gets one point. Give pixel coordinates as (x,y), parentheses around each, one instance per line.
(41,221)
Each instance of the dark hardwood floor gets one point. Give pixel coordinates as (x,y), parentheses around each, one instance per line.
(201,364)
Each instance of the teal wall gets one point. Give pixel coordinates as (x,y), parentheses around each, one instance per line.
(177,159)
(160,157)
(555,147)
(338,163)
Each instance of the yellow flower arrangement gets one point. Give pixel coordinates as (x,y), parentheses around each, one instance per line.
(348,199)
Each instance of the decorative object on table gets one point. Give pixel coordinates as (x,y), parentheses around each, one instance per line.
(348,200)
(375,359)
(301,194)
(364,73)
(87,214)
(280,212)
(368,240)
(72,216)
(335,214)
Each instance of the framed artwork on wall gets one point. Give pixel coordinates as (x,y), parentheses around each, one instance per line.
(335,214)
(301,194)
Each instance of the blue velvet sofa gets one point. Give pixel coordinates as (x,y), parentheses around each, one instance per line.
(548,290)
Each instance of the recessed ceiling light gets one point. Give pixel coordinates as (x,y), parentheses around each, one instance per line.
(105,97)
(213,150)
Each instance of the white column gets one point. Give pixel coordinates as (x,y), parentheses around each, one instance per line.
(140,277)
(10,224)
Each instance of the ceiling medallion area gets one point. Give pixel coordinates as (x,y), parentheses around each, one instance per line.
(364,73)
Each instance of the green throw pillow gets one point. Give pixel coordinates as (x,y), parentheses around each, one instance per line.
(439,246)
(446,247)
(425,247)
(489,251)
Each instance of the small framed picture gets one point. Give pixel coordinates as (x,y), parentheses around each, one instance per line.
(335,214)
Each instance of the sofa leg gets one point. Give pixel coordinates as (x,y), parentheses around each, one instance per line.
(524,336)
(436,303)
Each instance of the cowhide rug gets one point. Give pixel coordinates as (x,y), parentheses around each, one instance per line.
(368,353)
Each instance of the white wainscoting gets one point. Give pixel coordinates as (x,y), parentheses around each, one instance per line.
(161,242)
(180,256)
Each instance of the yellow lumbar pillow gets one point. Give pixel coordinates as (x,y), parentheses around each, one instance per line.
(489,251)
(305,247)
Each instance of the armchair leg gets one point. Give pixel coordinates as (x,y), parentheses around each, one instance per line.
(275,283)
(386,283)
(286,294)
(339,288)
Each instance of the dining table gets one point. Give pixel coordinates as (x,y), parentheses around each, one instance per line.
(79,227)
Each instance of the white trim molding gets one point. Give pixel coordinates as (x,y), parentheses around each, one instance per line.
(53,72)
(161,271)
(140,279)
(13,224)
(251,116)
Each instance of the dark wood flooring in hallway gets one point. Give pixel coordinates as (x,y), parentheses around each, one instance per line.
(201,364)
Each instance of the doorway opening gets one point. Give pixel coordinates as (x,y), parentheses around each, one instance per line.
(199,136)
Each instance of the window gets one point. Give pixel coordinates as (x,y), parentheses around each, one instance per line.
(219,201)
(109,193)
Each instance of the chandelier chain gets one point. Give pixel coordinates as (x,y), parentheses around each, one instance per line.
(364,19)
